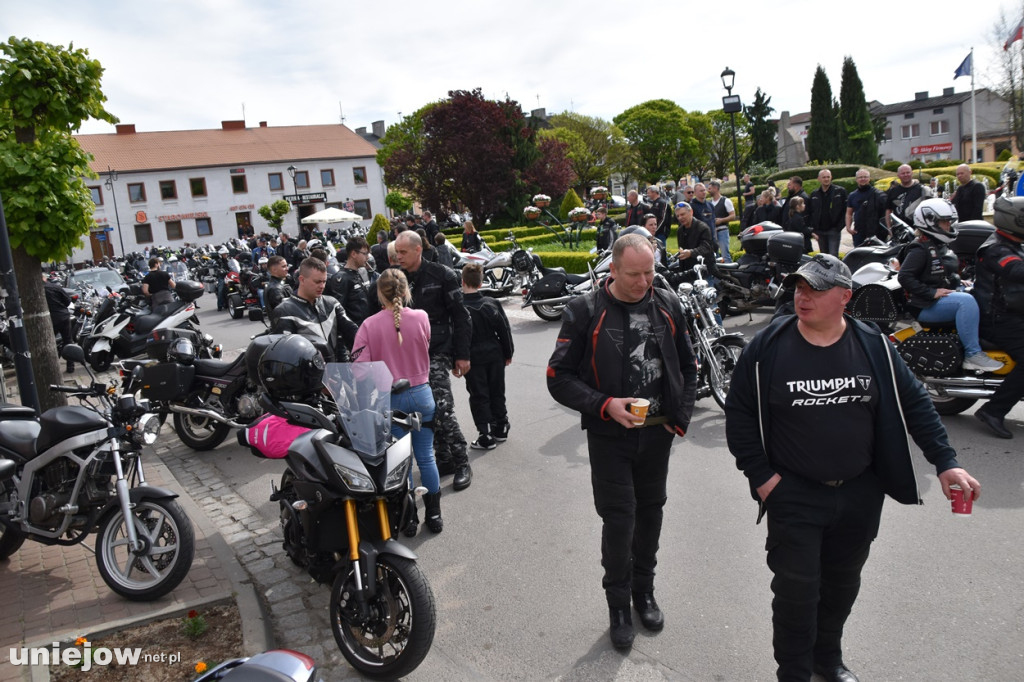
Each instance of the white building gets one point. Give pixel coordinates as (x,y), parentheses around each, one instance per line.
(199,186)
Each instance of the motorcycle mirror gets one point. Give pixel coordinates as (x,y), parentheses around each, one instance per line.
(73,352)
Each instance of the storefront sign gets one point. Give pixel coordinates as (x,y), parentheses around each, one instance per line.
(182,216)
(932,148)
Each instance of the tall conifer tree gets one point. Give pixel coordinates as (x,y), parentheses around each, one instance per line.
(823,136)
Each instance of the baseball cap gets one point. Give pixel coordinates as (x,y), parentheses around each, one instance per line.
(822,272)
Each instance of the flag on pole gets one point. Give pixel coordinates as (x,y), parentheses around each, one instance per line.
(965,67)
(1015,35)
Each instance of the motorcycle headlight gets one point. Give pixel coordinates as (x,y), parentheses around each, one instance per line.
(700,284)
(148,429)
(710,296)
(398,476)
(685,288)
(356,481)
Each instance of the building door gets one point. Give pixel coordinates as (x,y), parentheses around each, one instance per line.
(101,246)
(243,220)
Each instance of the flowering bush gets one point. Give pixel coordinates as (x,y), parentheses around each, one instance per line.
(200,667)
(194,624)
(579,214)
(531,212)
(541,200)
(599,192)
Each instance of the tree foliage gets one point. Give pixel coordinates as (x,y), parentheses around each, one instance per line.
(398,202)
(380,222)
(856,132)
(661,135)
(46,93)
(570,201)
(720,142)
(274,213)
(594,147)
(467,151)
(763,148)
(1009,78)
(823,135)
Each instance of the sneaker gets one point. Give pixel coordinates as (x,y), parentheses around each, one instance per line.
(982,363)
(484,442)
(500,432)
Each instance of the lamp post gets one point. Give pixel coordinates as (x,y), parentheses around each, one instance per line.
(295,189)
(109,184)
(731,105)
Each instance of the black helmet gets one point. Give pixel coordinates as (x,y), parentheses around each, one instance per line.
(1009,215)
(181,350)
(291,369)
(927,216)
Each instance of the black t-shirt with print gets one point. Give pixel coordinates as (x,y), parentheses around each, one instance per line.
(823,402)
(645,367)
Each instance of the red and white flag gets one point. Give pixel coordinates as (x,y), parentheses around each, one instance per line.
(1015,35)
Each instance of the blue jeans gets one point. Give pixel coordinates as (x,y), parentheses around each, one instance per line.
(957,307)
(723,244)
(420,399)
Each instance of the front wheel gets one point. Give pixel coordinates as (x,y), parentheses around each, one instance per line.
(163,560)
(549,313)
(10,541)
(726,353)
(100,360)
(392,636)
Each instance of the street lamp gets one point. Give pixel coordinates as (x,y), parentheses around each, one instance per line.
(295,189)
(731,105)
(109,184)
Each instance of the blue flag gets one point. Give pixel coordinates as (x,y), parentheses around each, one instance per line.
(965,67)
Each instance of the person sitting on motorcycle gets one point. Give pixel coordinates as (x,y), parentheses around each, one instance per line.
(157,284)
(929,275)
(999,288)
(225,265)
(319,318)
(470,237)
(694,238)
(277,289)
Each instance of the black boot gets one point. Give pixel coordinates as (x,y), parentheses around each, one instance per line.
(414,523)
(432,513)
(71,367)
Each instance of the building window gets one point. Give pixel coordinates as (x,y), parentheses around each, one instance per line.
(939,127)
(327,178)
(359,175)
(238,184)
(937,111)
(97,195)
(302,179)
(362,207)
(910,115)
(136,192)
(910,131)
(144,234)
(276,182)
(198,186)
(887,135)
(168,189)
(204,228)
(174,230)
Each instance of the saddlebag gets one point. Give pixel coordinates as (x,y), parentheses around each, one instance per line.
(167,381)
(879,302)
(551,285)
(937,354)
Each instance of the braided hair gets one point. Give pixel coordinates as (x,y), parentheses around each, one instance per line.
(393,292)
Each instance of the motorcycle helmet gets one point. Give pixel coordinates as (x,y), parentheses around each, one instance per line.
(1009,216)
(927,216)
(223,250)
(291,368)
(181,350)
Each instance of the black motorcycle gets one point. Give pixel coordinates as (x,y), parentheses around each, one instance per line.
(77,470)
(755,280)
(875,250)
(343,498)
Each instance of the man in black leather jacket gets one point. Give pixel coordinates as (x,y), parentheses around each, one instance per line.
(694,238)
(349,285)
(319,318)
(277,288)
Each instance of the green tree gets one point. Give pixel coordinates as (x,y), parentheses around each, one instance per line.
(660,132)
(594,145)
(380,222)
(856,132)
(763,148)
(46,93)
(570,201)
(274,213)
(823,135)
(1009,72)
(720,141)
(398,202)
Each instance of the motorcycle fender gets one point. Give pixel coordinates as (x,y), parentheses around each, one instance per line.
(732,335)
(102,344)
(138,494)
(369,551)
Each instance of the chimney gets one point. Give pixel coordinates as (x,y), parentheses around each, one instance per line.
(361,131)
(232,125)
(918,96)
(946,92)
(378,128)
(263,124)
(125,128)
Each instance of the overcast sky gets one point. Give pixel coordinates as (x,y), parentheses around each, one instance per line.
(190,64)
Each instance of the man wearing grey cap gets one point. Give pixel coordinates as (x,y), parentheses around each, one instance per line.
(814,417)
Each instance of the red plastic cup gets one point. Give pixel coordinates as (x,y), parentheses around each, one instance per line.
(961,503)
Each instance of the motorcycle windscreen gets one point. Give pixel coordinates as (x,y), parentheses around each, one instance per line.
(362,392)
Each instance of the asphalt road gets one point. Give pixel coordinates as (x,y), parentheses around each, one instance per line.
(517,575)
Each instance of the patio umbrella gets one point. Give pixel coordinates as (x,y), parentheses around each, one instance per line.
(331,215)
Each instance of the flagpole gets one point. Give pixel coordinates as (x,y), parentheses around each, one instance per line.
(974,116)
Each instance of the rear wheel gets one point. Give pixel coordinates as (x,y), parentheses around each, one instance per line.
(946,406)
(199,433)
(235,306)
(549,313)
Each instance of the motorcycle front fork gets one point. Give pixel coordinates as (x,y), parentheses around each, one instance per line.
(352,525)
(123,497)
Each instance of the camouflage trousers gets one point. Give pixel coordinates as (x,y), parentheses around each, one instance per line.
(449,443)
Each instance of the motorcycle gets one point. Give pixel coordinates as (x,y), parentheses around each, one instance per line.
(343,497)
(717,351)
(77,470)
(755,280)
(207,397)
(243,289)
(121,326)
(555,288)
(874,250)
(283,665)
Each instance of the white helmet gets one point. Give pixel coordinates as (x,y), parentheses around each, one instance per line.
(927,216)
(222,250)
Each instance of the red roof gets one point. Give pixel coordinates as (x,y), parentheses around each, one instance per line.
(130,151)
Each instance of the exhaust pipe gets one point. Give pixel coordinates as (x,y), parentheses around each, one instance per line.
(562,300)
(963,387)
(205,414)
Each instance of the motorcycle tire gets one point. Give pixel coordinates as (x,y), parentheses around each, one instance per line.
(100,361)
(199,433)
(10,541)
(947,406)
(727,352)
(169,546)
(548,313)
(396,636)
(290,526)
(235,306)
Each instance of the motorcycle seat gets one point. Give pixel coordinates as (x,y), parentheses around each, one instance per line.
(728,266)
(212,368)
(148,322)
(576,279)
(9,411)
(61,423)
(20,437)
(548,271)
